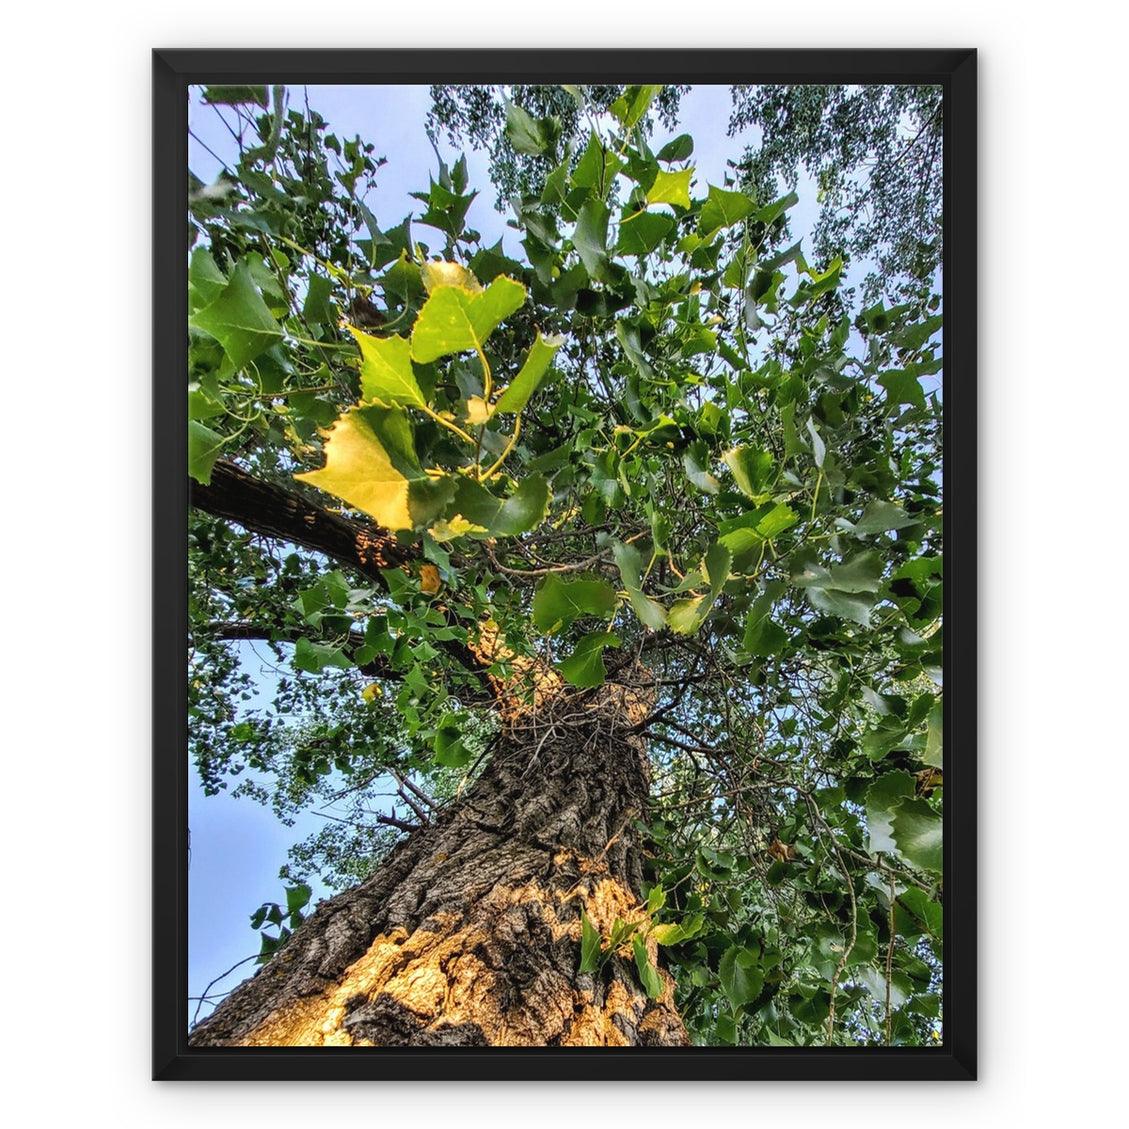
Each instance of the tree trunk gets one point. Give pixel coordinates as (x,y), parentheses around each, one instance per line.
(470,933)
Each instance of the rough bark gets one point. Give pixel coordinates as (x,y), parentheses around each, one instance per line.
(470,933)
(272,511)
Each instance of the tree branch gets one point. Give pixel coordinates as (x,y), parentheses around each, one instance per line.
(262,507)
(273,511)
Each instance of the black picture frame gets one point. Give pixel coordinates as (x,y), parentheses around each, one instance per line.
(173,71)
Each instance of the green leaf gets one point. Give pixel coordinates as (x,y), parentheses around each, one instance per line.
(386,370)
(878,517)
(315,657)
(236,95)
(297,897)
(585,666)
(861,573)
(678,149)
(557,603)
(903,387)
(749,532)
(641,232)
(764,638)
(671,188)
(455,319)
(591,237)
(525,133)
(206,282)
(201,405)
(742,978)
(633,104)
(914,336)
(883,798)
(499,517)
(771,212)
(435,274)
(597,167)
(818,447)
(317,308)
(935,737)
(370,462)
(590,953)
(918,834)
(928,913)
(448,743)
(723,209)
(696,461)
(686,616)
(239,319)
(204,447)
(648,974)
(628,336)
(751,467)
(844,605)
(537,362)
(630,563)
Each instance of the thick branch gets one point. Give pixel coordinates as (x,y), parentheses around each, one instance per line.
(273,511)
(262,507)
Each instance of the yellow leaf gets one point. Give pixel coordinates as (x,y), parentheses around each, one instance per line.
(428,579)
(453,528)
(447,274)
(371,692)
(477,410)
(358,470)
(671,188)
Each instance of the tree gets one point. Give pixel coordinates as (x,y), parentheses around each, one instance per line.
(624,562)
(876,154)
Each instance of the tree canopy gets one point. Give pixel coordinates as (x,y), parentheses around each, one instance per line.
(655,450)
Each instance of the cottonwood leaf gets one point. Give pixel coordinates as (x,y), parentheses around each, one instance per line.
(696,460)
(642,232)
(386,370)
(630,563)
(536,364)
(883,798)
(455,319)
(741,976)
(450,750)
(435,274)
(585,666)
(723,209)
(633,104)
(239,319)
(204,446)
(751,467)
(671,188)
(918,832)
(503,517)
(591,237)
(935,737)
(315,657)
(370,462)
(648,974)
(556,603)
(590,952)
(686,616)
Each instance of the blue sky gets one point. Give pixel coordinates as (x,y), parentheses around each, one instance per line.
(238,845)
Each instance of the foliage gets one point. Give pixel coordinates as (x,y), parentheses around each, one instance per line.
(656,437)
(527,128)
(875,152)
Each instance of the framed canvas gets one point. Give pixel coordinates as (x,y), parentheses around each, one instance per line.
(573,441)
